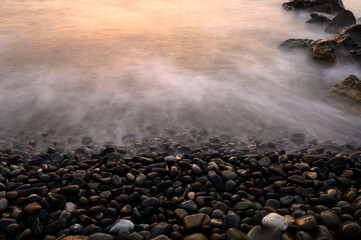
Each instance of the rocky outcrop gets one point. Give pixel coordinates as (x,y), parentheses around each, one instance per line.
(296,44)
(326,6)
(349,39)
(348,90)
(324,49)
(319,17)
(343,19)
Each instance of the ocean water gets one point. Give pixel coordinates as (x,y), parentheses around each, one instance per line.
(110,67)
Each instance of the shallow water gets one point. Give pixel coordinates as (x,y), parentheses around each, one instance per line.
(107,67)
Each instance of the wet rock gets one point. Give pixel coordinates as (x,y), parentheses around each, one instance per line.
(123,223)
(196,236)
(324,49)
(32,208)
(348,90)
(161,228)
(343,19)
(319,17)
(3,204)
(216,180)
(330,219)
(100,236)
(234,234)
(349,38)
(232,220)
(275,220)
(307,222)
(259,232)
(350,230)
(296,44)
(195,221)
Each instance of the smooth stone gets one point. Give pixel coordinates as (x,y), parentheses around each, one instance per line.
(297,179)
(264,162)
(100,236)
(302,235)
(123,223)
(77,229)
(263,233)
(5,222)
(330,219)
(350,230)
(195,221)
(235,234)
(154,202)
(275,220)
(307,222)
(4,203)
(216,180)
(196,236)
(232,220)
(189,206)
(229,175)
(32,208)
(160,237)
(244,205)
(70,207)
(161,228)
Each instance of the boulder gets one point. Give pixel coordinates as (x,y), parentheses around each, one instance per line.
(324,8)
(324,49)
(349,39)
(319,17)
(348,90)
(343,19)
(296,43)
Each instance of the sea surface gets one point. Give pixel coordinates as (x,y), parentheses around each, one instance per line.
(109,67)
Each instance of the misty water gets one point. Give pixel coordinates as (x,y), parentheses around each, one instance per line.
(109,67)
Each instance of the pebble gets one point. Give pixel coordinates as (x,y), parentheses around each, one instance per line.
(275,220)
(123,223)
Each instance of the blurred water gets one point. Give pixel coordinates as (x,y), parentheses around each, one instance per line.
(107,67)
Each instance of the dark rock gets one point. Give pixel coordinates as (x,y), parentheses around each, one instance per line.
(161,228)
(343,19)
(216,180)
(196,236)
(232,220)
(350,230)
(349,90)
(307,222)
(324,49)
(259,232)
(319,17)
(296,43)
(195,221)
(234,234)
(100,236)
(330,219)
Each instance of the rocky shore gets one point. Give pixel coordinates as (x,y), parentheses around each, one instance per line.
(346,43)
(185,186)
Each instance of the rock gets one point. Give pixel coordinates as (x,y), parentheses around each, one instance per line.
(324,8)
(154,202)
(75,237)
(100,236)
(330,219)
(56,226)
(232,220)
(234,234)
(196,236)
(275,220)
(348,90)
(296,43)
(161,228)
(86,140)
(216,180)
(349,39)
(3,204)
(350,230)
(195,221)
(343,19)
(302,235)
(297,179)
(122,234)
(123,223)
(265,161)
(229,175)
(70,190)
(5,222)
(32,208)
(319,17)
(307,222)
(70,207)
(260,232)
(244,205)
(189,206)
(77,229)
(324,49)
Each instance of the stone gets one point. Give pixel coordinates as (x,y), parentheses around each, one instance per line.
(161,228)
(234,234)
(56,226)
(350,230)
(330,219)
(123,223)
(189,206)
(76,237)
(348,90)
(216,180)
(3,204)
(265,161)
(297,179)
(70,190)
(307,222)
(32,208)
(319,17)
(5,222)
(244,205)
(100,236)
(196,236)
(302,235)
(343,19)
(229,175)
(275,220)
(296,44)
(70,207)
(195,221)
(232,220)
(324,49)
(259,232)
(77,229)
(154,202)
